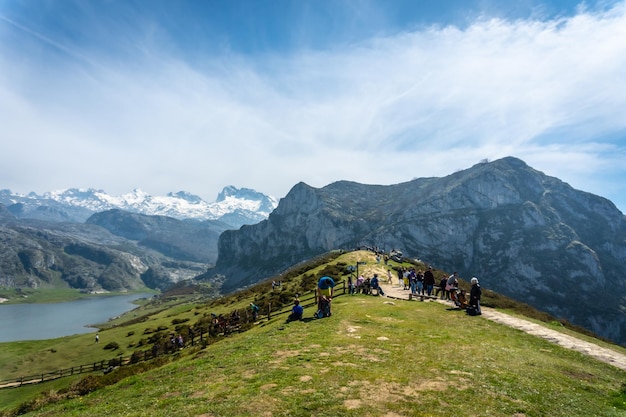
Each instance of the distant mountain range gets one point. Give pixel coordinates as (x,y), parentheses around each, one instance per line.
(524,234)
(234,206)
(89,240)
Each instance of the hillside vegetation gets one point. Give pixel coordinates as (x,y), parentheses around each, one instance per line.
(373,357)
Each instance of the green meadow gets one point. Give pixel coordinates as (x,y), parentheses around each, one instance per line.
(374,356)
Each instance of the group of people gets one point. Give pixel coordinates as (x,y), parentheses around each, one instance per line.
(417,281)
(449,288)
(364,285)
(323,296)
(423,283)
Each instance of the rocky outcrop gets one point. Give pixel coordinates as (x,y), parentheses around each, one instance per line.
(524,234)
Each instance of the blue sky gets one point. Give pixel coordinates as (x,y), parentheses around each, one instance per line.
(196,95)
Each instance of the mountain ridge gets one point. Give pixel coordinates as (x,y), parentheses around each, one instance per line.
(75,204)
(527,235)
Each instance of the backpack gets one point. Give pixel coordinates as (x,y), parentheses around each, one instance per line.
(471,310)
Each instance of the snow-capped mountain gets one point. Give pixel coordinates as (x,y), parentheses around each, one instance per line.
(234,206)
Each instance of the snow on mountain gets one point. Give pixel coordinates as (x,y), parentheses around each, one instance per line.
(246,203)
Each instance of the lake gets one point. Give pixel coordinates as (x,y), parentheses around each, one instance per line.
(49,321)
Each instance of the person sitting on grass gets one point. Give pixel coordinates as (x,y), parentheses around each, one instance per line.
(461,299)
(296,311)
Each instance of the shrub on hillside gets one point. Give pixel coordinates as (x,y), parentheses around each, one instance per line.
(112,346)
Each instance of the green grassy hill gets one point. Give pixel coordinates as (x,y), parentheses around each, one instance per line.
(373,357)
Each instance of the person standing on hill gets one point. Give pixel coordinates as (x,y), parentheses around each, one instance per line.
(452,283)
(442,287)
(429,280)
(419,280)
(255,311)
(475,294)
(324,289)
(400,276)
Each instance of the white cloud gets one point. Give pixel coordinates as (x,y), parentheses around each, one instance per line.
(385,110)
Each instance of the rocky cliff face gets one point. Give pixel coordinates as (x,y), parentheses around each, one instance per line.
(189,240)
(524,234)
(39,254)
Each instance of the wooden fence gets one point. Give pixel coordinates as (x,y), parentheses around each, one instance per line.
(308,300)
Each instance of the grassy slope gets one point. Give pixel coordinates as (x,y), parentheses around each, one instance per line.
(372,358)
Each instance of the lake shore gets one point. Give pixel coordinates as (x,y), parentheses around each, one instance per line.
(56,295)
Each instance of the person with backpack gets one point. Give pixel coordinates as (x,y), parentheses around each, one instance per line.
(324,295)
(255,311)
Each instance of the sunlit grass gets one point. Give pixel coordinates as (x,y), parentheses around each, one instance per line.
(372,357)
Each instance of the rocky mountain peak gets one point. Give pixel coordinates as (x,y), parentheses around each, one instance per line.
(525,234)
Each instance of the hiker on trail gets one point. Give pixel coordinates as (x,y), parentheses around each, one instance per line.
(389,276)
(412,280)
(406,278)
(442,288)
(296,311)
(359,284)
(375,285)
(351,285)
(429,280)
(475,294)
(420,282)
(255,311)
(452,283)
(400,276)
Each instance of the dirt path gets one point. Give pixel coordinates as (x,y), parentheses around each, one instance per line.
(609,356)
